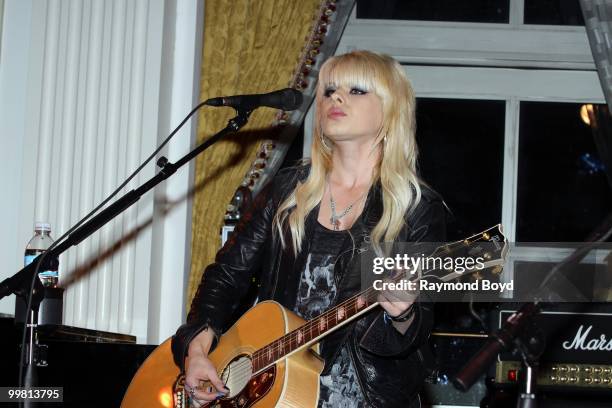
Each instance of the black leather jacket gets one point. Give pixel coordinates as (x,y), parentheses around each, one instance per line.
(387,363)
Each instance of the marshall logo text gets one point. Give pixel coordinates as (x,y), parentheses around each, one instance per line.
(582,342)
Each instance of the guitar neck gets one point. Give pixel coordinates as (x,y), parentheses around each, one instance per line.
(315,329)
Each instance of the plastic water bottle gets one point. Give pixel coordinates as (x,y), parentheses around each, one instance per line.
(39,243)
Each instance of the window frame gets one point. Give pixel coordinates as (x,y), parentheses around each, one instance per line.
(512,44)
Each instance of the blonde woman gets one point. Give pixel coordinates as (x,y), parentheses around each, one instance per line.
(359,190)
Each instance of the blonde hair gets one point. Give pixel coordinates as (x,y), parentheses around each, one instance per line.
(396,170)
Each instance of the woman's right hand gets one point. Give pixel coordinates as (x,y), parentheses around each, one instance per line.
(199,368)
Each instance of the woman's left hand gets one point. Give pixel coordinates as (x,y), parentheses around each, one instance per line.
(396,303)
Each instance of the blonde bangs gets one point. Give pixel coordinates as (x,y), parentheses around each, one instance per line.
(349,71)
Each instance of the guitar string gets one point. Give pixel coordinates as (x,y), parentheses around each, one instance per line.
(315,328)
(280,343)
(308,333)
(246,369)
(324,319)
(322,323)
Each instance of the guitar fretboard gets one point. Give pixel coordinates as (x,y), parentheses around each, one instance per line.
(315,328)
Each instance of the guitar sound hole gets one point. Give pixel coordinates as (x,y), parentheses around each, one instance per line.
(236,374)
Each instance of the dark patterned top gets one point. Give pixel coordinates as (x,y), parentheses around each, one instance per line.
(316,292)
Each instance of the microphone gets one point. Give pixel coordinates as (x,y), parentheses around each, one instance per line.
(287,99)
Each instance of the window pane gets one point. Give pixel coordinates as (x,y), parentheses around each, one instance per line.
(553,12)
(563,193)
(583,280)
(461,156)
(477,11)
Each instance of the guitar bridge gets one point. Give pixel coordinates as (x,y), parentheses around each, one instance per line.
(179,396)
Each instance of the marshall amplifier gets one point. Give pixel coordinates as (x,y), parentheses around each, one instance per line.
(578,348)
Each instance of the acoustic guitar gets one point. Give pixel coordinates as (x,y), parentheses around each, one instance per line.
(269,357)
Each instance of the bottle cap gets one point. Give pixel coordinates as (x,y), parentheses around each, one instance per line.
(42,226)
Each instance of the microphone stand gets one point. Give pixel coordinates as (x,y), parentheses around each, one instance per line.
(519,323)
(19,283)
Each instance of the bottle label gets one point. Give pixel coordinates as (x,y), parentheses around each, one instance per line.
(27,259)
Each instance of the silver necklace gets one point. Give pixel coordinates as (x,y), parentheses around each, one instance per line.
(335,218)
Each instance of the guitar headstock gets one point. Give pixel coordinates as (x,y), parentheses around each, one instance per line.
(488,247)
(495,249)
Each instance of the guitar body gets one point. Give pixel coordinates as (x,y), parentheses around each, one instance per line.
(291,382)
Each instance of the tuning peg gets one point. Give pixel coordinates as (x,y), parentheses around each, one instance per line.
(496,270)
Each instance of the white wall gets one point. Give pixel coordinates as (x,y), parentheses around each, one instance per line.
(1,14)
(102,83)
(13,79)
